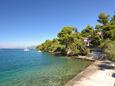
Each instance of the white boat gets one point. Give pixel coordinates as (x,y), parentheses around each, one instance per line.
(26,49)
(39,51)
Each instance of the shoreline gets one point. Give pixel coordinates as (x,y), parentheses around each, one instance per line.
(93,74)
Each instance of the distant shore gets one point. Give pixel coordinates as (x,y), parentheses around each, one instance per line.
(100,73)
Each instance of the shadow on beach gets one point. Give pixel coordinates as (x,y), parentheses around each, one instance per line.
(113,75)
(106,65)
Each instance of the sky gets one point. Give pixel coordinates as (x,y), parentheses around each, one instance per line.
(30,22)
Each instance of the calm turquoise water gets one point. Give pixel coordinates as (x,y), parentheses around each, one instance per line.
(19,68)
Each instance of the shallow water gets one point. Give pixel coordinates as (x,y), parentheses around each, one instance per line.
(19,68)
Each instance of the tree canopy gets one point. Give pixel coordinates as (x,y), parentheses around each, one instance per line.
(71,42)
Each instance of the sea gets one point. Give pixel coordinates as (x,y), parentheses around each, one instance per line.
(33,68)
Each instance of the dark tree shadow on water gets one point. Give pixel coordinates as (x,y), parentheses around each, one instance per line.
(113,75)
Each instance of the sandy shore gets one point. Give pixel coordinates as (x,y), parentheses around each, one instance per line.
(100,73)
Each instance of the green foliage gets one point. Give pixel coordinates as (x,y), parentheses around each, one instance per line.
(98,28)
(65,36)
(107,26)
(49,46)
(108,35)
(109,49)
(88,31)
(112,21)
(113,34)
(70,42)
(103,18)
(96,40)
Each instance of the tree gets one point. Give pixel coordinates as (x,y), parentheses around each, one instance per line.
(109,49)
(70,42)
(98,28)
(49,46)
(108,31)
(103,19)
(113,34)
(96,40)
(65,36)
(88,31)
(106,25)
(112,21)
